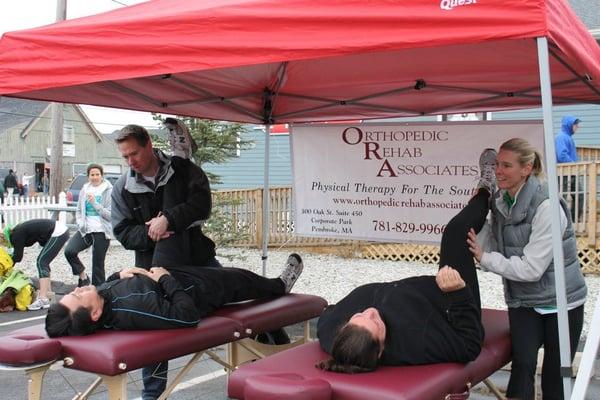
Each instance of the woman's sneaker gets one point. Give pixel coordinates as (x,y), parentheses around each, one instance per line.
(291,272)
(487,170)
(40,303)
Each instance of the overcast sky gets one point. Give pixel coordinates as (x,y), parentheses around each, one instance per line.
(23,14)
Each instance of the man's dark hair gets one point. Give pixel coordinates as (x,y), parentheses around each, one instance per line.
(139,133)
(95,166)
(61,322)
(354,350)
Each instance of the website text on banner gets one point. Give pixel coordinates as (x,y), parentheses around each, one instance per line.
(391,182)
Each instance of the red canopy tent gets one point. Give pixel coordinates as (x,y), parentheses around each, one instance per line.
(274,61)
(289,61)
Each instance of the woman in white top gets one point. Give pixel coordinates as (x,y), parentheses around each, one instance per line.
(520,250)
(93,226)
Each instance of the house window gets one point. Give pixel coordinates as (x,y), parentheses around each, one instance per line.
(68,134)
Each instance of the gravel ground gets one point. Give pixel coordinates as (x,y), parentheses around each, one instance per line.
(328,276)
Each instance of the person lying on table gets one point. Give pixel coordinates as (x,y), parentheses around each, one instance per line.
(137,299)
(418,320)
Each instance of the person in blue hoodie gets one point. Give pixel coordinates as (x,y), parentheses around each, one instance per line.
(566,152)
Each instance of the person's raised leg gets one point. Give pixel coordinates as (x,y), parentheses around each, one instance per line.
(454,250)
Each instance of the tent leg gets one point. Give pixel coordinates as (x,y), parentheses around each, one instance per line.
(266,199)
(559,264)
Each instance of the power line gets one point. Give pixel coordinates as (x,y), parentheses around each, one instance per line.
(118,2)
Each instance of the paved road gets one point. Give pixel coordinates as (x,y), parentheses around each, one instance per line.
(206,380)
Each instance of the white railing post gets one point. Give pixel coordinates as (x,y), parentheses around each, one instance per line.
(62,202)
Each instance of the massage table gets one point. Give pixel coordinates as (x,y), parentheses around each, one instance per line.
(111,354)
(292,375)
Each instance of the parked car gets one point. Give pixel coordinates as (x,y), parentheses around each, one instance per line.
(80,180)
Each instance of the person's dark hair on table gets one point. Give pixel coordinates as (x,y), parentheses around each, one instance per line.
(60,322)
(355,350)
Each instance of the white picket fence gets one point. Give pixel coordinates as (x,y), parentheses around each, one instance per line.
(20,209)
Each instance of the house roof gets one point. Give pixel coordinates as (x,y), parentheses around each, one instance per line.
(14,112)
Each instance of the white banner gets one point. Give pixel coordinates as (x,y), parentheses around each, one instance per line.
(391,182)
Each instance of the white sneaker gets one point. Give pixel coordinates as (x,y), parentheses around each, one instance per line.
(487,169)
(180,139)
(291,272)
(40,303)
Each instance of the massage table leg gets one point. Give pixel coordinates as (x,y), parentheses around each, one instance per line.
(89,390)
(494,389)
(117,386)
(34,383)
(245,350)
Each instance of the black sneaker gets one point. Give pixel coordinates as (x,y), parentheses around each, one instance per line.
(83,282)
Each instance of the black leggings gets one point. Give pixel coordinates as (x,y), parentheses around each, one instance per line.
(78,243)
(454,250)
(49,253)
(529,331)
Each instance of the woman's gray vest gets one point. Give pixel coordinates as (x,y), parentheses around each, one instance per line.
(512,233)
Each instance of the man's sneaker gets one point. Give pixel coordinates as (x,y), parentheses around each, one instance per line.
(83,282)
(487,169)
(291,272)
(39,304)
(182,143)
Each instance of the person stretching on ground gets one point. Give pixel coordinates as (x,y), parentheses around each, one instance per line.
(138,299)
(418,320)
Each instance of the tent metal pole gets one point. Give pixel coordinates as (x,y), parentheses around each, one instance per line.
(265,200)
(557,248)
(586,366)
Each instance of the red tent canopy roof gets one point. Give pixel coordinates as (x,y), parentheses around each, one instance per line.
(300,60)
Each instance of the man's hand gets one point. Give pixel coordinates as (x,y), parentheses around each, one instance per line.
(474,245)
(157,228)
(157,272)
(448,280)
(130,272)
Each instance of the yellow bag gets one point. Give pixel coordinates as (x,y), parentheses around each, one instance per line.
(24,297)
(6,263)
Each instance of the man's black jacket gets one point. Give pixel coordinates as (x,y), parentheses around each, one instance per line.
(141,303)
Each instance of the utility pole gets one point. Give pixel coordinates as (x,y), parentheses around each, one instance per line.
(56,130)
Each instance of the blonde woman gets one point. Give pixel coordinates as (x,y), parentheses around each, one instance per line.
(519,249)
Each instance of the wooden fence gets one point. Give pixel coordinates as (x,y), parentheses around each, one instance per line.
(578,184)
(18,209)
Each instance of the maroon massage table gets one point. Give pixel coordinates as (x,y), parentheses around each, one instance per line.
(111,354)
(292,375)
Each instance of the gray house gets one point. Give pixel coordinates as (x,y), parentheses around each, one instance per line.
(25,141)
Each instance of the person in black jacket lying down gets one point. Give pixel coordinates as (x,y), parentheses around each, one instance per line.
(136,298)
(418,320)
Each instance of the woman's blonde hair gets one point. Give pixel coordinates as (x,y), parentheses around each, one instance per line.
(527,154)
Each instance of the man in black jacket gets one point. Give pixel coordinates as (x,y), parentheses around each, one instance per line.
(138,299)
(158,205)
(10,183)
(157,209)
